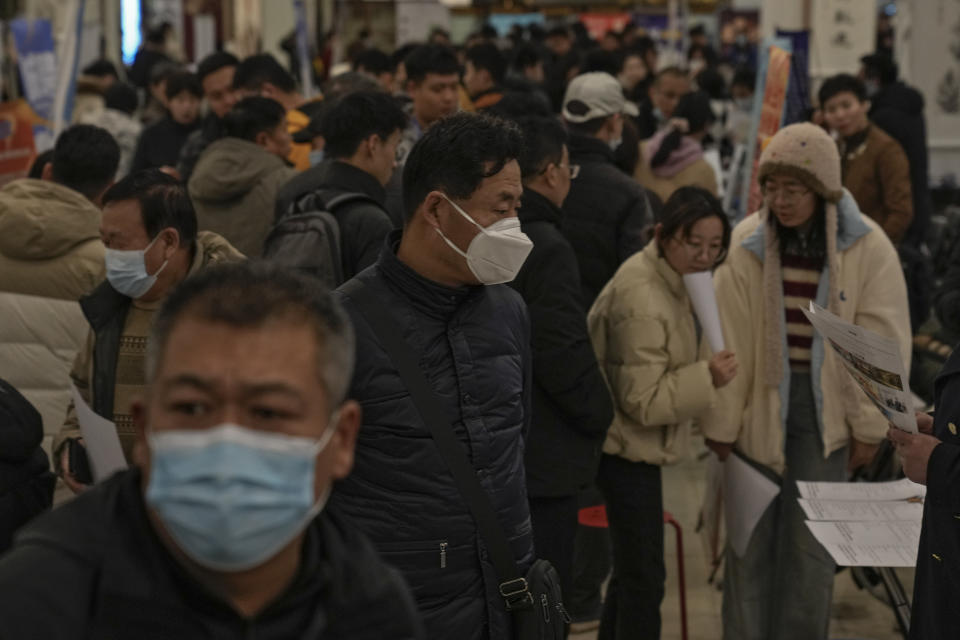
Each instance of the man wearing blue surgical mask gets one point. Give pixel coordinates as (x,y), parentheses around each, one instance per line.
(439,281)
(149,231)
(221,530)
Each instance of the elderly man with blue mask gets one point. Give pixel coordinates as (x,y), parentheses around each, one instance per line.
(149,232)
(220,531)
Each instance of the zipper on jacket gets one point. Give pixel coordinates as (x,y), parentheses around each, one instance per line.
(545,605)
(443,555)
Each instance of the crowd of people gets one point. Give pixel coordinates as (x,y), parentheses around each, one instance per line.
(210,271)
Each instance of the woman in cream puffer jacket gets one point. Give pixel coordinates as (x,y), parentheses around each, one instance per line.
(644,334)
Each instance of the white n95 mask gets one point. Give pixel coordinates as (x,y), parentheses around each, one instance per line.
(497,253)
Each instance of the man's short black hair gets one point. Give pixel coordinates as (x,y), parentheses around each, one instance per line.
(744,77)
(600,60)
(644,45)
(521,104)
(122,97)
(85,158)
(881,67)
(842,83)
(252,116)
(526,56)
(162,71)
(675,72)
(41,161)
(158,34)
(214,62)
(455,155)
(400,54)
(431,58)
(101,69)
(183,81)
(372,61)
(256,293)
(543,140)
(487,55)
(356,117)
(711,81)
(163,200)
(559,31)
(255,71)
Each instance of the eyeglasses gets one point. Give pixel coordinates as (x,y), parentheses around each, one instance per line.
(790,195)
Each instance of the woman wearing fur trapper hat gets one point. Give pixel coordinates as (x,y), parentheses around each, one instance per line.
(793,409)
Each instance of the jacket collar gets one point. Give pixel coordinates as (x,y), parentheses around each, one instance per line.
(851,228)
(674,280)
(346,177)
(537,208)
(587,149)
(427,296)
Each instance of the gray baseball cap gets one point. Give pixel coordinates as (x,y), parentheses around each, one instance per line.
(595,95)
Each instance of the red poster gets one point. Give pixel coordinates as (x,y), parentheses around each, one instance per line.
(774,98)
(599,24)
(16,139)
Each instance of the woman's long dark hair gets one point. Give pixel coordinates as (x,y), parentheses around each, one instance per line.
(693,107)
(688,206)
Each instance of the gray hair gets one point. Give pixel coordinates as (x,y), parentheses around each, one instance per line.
(251,294)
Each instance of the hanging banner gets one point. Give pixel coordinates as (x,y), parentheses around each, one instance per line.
(599,24)
(303,48)
(773,79)
(504,22)
(37,62)
(68,57)
(842,32)
(17,149)
(798,91)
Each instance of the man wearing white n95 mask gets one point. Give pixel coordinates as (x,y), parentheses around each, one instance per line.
(221,530)
(439,282)
(149,231)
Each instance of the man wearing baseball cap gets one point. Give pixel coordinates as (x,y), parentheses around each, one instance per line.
(606,212)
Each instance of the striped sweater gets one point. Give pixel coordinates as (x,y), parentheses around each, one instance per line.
(801,278)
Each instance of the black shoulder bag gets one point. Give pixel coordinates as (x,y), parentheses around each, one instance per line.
(535,600)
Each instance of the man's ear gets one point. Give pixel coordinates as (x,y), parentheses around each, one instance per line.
(431,205)
(262,138)
(344,441)
(47,172)
(171,237)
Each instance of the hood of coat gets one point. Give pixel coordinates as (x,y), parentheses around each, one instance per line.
(231,168)
(900,97)
(40,220)
(685,155)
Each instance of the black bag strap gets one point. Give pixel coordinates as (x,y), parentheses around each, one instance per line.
(513,586)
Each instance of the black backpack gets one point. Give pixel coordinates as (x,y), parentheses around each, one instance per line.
(307,236)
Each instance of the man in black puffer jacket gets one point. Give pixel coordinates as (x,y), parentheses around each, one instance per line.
(461,186)
(26,482)
(606,213)
(571,403)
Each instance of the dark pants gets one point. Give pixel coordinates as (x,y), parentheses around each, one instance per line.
(591,564)
(554,530)
(634,495)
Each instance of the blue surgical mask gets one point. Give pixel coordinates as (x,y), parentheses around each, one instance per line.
(316,157)
(231,497)
(127,271)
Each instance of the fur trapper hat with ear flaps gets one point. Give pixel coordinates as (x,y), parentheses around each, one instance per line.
(804,152)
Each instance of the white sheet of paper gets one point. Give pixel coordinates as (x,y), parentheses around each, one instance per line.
(746,495)
(874,362)
(858,511)
(903,489)
(870,544)
(101,440)
(704,298)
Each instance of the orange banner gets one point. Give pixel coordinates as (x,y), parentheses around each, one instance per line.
(771,114)
(17,150)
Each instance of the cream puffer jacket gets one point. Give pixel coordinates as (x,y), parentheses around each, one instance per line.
(643,333)
(751,411)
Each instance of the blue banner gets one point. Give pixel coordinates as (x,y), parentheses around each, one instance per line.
(798,91)
(37,61)
(303,48)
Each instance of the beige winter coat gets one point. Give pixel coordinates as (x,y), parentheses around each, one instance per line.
(50,256)
(870,292)
(645,339)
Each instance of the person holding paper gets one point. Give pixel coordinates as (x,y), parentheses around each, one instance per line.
(645,337)
(221,529)
(794,409)
(932,457)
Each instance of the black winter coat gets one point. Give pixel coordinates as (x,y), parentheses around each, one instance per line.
(364,224)
(605,215)
(937,580)
(475,346)
(898,110)
(26,482)
(95,569)
(572,408)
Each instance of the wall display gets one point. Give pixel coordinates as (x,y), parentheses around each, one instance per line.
(598,24)
(416,18)
(37,62)
(843,31)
